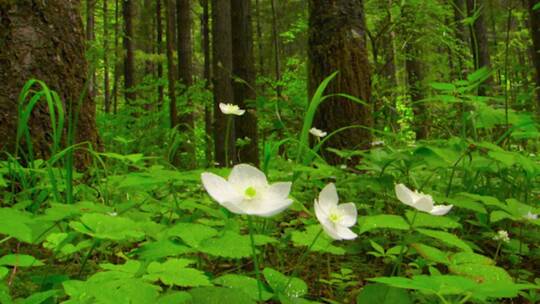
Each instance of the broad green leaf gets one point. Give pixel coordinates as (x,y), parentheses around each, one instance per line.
(499,215)
(427,220)
(246,284)
(447,238)
(20,260)
(108,227)
(174,272)
(431,253)
(192,234)
(382,294)
(280,283)
(219,295)
(175,297)
(536,6)
(16,224)
(229,245)
(382,221)
(161,249)
(481,273)
(470,258)
(323,243)
(442,86)
(3,272)
(40,297)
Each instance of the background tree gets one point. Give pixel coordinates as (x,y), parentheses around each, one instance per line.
(479,39)
(56,27)
(534,13)
(129,48)
(337,42)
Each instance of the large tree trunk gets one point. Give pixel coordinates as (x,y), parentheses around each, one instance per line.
(129,57)
(479,40)
(90,37)
(117,67)
(337,42)
(46,42)
(223,91)
(535,33)
(205,30)
(244,92)
(185,76)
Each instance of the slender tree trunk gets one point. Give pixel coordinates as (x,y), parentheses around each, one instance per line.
(129,58)
(159,28)
(106,85)
(185,76)
(414,78)
(171,68)
(207,77)
(244,92)
(259,37)
(117,55)
(59,61)
(337,42)
(461,37)
(90,37)
(535,33)
(275,41)
(222,68)
(479,41)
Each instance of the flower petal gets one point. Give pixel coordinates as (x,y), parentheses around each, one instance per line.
(239,112)
(321,214)
(405,195)
(281,189)
(441,209)
(268,209)
(219,189)
(348,214)
(330,229)
(328,198)
(243,176)
(345,233)
(424,203)
(223,108)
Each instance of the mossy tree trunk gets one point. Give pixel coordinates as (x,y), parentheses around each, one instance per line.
(535,33)
(44,41)
(337,42)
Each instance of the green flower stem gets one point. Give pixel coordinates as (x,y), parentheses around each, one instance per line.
(497,251)
(397,266)
(227,139)
(255,260)
(85,260)
(302,258)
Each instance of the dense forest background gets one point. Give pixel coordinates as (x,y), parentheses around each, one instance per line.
(110,110)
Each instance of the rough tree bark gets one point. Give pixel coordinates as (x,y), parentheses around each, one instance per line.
(244,68)
(479,41)
(205,30)
(337,42)
(90,37)
(159,36)
(43,41)
(106,85)
(535,33)
(129,57)
(185,76)
(222,67)
(171,68)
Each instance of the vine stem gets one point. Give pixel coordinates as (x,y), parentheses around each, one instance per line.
(397,267)
(302,258)
(254,256)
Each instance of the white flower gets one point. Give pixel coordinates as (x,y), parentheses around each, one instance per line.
(377,143)
(335,219)
(317,132)
(420,201)
(502,235)
(231,109)
(247,191)
(112,213)
(531,216)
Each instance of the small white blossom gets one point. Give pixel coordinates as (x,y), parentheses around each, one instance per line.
(318,133)
(247,191)
(112,213)
(377,143)
(343,167)
(531,216)
(420,201)
(335,219)
(502,236)
(231,109)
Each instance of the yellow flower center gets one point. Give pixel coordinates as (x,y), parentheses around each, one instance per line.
(334,217)
(250,193)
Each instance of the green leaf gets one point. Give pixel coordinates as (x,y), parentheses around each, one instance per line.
(447,238)
(175,297)
(383,294)
(470,258)
(499,215)
(536,6)
(3,272)
(323,243)
(20,260)
(229,245)
(367,223)
(280,283)
(218,295)
(431,253)
(40,297)
(174,272)
(248,285)
(103,226)
(16,224)
(482,273)
(443,86)
(192,234)
(160,249)
(427,220)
